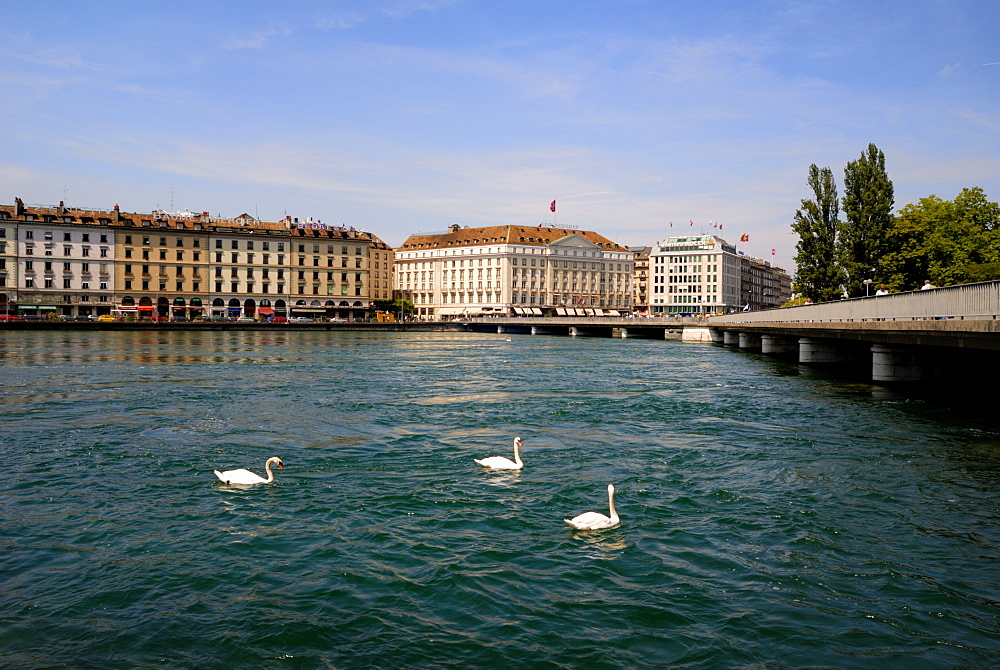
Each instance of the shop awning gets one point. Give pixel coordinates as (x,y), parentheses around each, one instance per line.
(265,310)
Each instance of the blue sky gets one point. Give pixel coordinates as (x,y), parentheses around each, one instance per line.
(406,116)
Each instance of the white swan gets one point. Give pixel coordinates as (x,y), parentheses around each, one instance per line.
(501,463)
(244,476)
(595,520)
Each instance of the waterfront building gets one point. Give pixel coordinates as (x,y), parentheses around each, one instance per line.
(49,270)
(249,268)
(640,279)
(338,271)
(162,265)
(80,263)
(704,274)
(513,270)
(763,286)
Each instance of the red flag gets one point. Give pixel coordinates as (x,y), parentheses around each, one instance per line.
(692,222)
(671,224)
(772,252)
(552,207)
(744,238)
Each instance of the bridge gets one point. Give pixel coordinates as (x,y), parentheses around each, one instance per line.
(938,334)
(946,334)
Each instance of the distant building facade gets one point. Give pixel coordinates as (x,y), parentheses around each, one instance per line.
(704,274)
(640,279)
(79,263)
(513,270)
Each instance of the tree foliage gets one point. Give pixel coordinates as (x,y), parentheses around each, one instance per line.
(867,204)
(947,241)
(818,276)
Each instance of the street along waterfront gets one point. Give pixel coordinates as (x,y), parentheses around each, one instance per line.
(770,515)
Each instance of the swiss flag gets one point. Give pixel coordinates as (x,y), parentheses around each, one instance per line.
(552,207)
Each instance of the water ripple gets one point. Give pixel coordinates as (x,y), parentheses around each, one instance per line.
(770,518)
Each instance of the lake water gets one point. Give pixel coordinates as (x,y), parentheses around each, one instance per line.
(772,517)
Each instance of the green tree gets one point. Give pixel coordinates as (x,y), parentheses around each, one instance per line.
(818,277)
(948,242)
(964,238)
(905,266)
(867,203)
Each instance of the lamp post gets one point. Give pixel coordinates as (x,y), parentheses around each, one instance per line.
(867,283)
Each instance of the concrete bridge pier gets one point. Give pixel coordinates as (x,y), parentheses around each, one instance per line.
(818,352)
(776,345)
(620,332)
(696,334)
(499,330)
(572,331)
(534,330)
(749,341)
(731,339)
(895,364)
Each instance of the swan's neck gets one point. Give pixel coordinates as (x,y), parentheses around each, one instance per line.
(611,504)
(517,456)
(270,475)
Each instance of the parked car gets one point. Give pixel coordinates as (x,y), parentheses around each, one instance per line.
(302,319)
(278,319)
(246,319)
(179,319)
(8,317)
(105,318)
(338,320)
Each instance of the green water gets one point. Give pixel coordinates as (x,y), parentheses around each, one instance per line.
(771,517)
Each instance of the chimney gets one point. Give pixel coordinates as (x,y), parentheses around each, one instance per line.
(18,206)
(453,228)
(115,215)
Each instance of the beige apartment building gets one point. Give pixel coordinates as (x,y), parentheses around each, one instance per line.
(81,263)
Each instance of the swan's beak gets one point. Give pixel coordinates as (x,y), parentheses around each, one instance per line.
(280,466)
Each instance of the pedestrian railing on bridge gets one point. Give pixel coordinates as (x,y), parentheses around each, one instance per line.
(966,301)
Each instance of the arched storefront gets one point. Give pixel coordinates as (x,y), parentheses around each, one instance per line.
(195,309)
(312,309)
(145,308)
(266,310)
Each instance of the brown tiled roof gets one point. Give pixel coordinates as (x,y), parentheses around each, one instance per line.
(528,235)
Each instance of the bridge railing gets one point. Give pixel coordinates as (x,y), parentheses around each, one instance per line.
(965,301)
(585,320)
